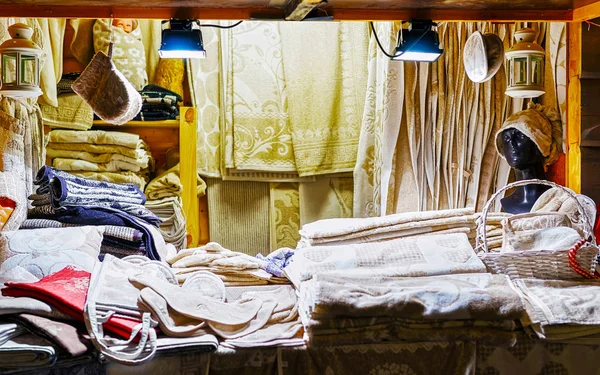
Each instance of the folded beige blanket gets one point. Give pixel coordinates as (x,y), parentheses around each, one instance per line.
(72,112)
(144,160)
(100,149)
(479,296)
(95,137)
(87,166)
(414,256)
(332,230)
(168,184)
(559,309)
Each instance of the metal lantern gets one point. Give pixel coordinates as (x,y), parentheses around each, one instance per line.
(20,59)
(525,66)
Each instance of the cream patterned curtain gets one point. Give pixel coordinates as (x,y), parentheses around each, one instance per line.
(273,110)
(427,136)
(269,102)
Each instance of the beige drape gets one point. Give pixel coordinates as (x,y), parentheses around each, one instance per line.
(269,101)
(426,138)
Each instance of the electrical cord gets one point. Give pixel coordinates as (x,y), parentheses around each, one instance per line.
(411,46)
(379,43)
(219,26)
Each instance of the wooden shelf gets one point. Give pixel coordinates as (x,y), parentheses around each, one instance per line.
(590,75)
(140,124)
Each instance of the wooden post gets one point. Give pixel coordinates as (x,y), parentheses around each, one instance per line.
(188,173)
(573,169)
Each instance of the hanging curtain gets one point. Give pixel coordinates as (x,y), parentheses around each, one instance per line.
(272,109)
(270,102)
(427,135)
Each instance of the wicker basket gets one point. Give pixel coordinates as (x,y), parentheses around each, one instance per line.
(574,263)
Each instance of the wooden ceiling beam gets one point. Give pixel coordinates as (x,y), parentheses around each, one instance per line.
(587,12)
(454,15)
(339,14)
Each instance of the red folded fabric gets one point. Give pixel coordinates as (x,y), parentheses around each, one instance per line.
(66,290)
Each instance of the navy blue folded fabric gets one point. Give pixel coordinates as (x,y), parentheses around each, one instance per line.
(46,173)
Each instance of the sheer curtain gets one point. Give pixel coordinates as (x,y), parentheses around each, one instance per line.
(427,135)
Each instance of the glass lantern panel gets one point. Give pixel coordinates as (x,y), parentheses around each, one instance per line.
(27,70)
(537,70)
(519,72)
(9,69)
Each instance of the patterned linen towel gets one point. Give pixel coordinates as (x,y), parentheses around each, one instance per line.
(479,296)
(414,256)
(558,309)
(330,231)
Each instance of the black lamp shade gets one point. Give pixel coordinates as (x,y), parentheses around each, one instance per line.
(182,44)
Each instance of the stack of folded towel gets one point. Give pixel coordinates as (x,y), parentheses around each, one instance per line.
(425,255)
(409,224)
(66,198)
(560,310)
(158,104)
(430,287)
(235,269)
(376,229)
(493,229)
(164,200)
(105,156)
(341,310)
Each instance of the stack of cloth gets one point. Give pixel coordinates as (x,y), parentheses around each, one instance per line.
(493,229)
(425,255)
(33,333)
(66,198)
(117,241)
(564,311)
(164,199)
(420,288)
(233,268)
(377,229)
(158,104)
(65,293)
(241,317)
(347,310)
(100,155)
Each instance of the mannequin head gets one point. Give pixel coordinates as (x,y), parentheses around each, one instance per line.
(519,150)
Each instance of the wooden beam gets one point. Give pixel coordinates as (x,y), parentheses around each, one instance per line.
(49,11)
(574,108)
(587,12)
(339,14)
(454,15)
(297,10)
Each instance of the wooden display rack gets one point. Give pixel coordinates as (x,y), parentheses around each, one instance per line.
(162,136)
